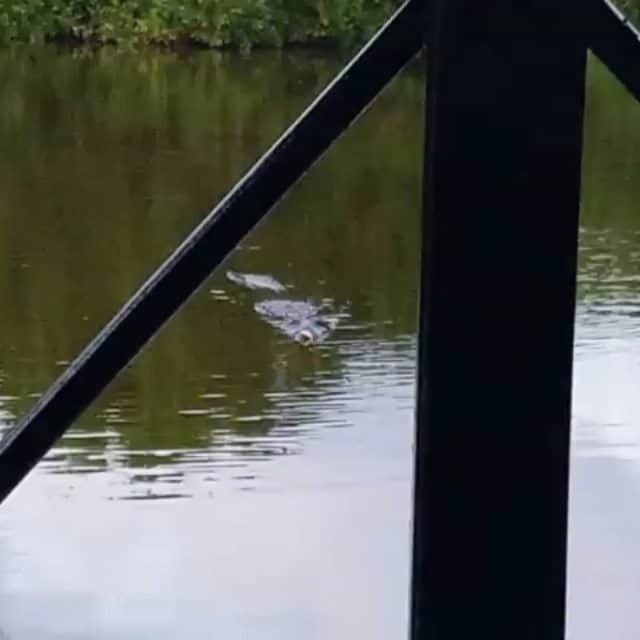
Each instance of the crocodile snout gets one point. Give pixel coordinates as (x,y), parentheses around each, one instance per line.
(305,337)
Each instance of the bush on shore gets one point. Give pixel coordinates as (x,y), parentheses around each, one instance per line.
(631,8)
(208,23)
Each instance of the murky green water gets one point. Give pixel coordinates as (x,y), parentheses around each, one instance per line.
(232,483)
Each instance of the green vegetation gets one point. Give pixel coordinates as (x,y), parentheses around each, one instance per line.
(207,23)
(630,7)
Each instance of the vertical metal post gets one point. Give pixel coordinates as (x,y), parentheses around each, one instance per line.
(502,170)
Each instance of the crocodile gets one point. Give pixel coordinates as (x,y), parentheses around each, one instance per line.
(303,321)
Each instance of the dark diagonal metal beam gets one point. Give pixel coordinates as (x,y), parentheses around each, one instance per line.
(217,235)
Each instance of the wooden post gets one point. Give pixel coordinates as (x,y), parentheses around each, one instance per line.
(502,174)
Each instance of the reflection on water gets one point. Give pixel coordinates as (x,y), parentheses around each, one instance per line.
(604,563)
(607,371)
(234,444)
(610,289)
(232,480)
(608,344)
(111,159)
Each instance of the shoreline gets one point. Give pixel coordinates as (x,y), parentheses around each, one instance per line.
(195,24)
(186,46)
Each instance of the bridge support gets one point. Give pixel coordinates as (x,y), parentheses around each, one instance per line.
(502,174)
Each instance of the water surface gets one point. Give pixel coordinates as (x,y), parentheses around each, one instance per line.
(231,482)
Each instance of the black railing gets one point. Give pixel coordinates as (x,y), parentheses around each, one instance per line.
(502,183)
